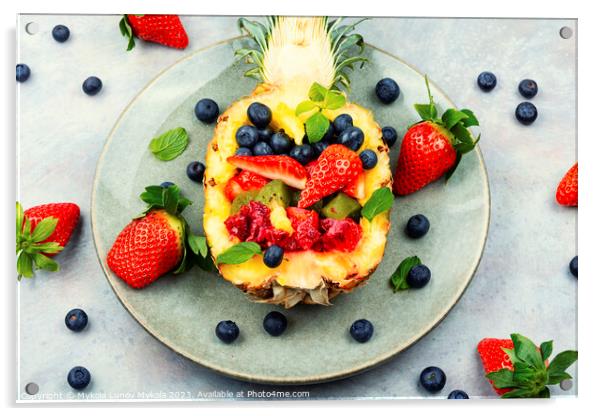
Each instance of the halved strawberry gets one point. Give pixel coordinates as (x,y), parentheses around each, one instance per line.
(337,167)
(284,168)
(357,188)
(243,181)
(567,191)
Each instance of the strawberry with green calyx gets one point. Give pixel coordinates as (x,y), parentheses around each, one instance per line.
(158,241)
(158,28)
(433,147)
(517,368)
(42,231)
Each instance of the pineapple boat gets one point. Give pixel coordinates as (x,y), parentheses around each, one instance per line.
(293,214)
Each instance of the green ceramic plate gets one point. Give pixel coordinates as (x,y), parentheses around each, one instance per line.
(182,311)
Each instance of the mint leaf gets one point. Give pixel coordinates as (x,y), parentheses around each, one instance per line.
(44,229)
(381,200)
(169,145)
(398,278)
(451,117)
(198,244)
(304,107)
(471,120)
(317,92)
(334,100)
(239,253)
(316,127)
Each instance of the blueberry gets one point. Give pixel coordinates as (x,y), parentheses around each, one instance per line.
(60,33)
(352,137)
(418,225)
(329,135)
(76,320)
(389,135)
(486,81)
(259,114)
(387,90)
(273,255)
(432,379)
(195,171)
(227,331)
(418,276)
(527,88)
(368,158)
(342,122)
(78,378)
(206,110)
(275,323)
(526,113)
(573,266)
(457,394)
(23,72)
(265,134)
(262,149)
(92,85)
(280,143)
(303,154)
(166,184)
(244,151)
(247,136)
(319,147)
(361,330)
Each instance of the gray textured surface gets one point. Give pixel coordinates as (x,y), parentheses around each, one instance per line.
(522,284)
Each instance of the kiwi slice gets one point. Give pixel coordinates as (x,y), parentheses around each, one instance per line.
(277,191)
(340,207)
(242,199)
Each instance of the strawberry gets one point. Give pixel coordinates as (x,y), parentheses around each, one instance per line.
(158,28)
(516,367)
(566,193)
(433,147)
(243,181)
(306,225)
(43,231)
(284,168)
(157,241)
(357,188)
(337,167)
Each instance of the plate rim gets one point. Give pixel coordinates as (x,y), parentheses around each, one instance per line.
(244,376)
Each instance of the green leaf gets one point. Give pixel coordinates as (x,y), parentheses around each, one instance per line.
(49,248)
(126,30)
(24,265)
(44,229)
(558,377)
(518,393)
(184,262)
(502,379)
(544,393)
(471,120)
(317,92)
(205,263)
(239,253)
(511,355)
(545,350)
(527,351)
(198,244)
(381,200)
(398,278)
(304,107)
(171,196)
(560,363)
(170,144)
(334,100)
(451,171)
(45,263)
(451,117)
(424,111)
(27,229)
(19,216)
(316,127)
(152,195)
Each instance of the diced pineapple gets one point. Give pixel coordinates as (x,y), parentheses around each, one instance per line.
(283,117)
(279,219)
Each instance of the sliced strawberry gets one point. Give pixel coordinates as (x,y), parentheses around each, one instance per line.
(337,167)
(284,168)
(357,188)
(310,166)
(243,181)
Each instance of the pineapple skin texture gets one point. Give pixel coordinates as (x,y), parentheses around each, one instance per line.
(308,277)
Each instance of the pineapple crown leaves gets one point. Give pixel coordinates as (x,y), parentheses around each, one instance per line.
(531,375)
(126,30)
(30,247)
(195,246)
(346,47)
(320,98)
(455,121)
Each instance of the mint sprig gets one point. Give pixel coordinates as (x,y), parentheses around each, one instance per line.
(381,200)
(239,253)
(170,144)
(399,277)
(320,98)
(531,376)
